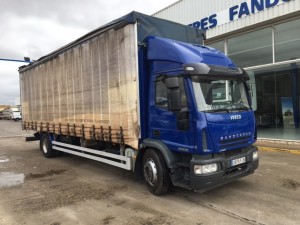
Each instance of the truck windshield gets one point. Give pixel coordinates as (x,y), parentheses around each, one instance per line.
(220,95)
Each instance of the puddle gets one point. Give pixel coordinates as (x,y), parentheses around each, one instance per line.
(9,179)
(3,159)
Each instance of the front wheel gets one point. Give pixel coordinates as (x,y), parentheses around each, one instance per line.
(156,172)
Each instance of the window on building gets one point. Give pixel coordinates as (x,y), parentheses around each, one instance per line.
(276,100)
(218,45)
(287,41)
(251,49)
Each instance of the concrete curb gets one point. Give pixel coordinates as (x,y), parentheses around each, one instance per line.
(289,143)
(273,149)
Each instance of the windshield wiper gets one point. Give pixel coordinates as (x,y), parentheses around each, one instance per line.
(241,108)
(217,110)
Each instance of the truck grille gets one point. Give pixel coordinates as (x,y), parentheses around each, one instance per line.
(233,152)
(225,144)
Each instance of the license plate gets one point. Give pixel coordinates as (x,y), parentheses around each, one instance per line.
(238,161)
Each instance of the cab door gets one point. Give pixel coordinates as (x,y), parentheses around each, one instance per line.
(170,114)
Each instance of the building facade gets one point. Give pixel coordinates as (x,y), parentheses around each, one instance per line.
(263,37)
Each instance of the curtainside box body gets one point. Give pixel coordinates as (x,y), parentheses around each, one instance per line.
(89,90)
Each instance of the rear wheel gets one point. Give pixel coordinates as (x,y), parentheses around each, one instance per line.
(156,172)
(46,146)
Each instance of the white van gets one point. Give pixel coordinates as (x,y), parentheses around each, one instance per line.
(16,115)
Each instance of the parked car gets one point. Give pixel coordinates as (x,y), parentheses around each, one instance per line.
(268,119)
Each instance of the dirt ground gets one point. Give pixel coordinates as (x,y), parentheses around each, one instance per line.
(73,190)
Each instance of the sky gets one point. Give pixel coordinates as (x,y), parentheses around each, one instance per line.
(34,28)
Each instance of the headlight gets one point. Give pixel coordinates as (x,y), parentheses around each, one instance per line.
(203,169)
(255,155)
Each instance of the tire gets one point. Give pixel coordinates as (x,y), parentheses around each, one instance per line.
(156,172)
(46,146)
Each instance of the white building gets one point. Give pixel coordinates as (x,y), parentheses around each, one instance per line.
(262,36)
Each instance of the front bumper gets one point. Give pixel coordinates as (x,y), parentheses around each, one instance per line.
(226,172)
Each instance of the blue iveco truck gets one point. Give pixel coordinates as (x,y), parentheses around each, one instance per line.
(144,94)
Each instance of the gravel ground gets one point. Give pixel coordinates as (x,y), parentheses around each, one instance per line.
(72,190)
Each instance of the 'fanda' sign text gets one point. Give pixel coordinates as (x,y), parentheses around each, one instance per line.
(235,12)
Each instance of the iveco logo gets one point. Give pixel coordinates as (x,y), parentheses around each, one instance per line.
(235,117)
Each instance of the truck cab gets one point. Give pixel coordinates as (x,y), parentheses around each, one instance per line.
(200,115)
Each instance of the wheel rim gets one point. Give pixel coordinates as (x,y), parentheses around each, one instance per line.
(45,145)
(150,172)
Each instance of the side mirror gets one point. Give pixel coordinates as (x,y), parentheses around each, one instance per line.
(209,98)
(248,89)
(172,82)
(183,120)
(247,86)
(174,100)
